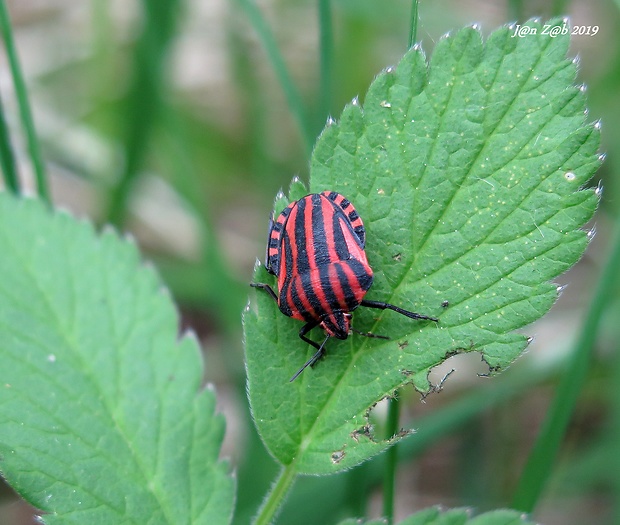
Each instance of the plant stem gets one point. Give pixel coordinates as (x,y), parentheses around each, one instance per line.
(413,27)
(276,496)
(391,463)
(538,467)
(23,103)
(291,93)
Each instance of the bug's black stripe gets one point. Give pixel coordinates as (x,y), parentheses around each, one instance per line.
(327,287)
(301,254)
(340,245)
(319,238)
(360,231)
(363,277)
(349,297)
(312,297)
(274,244)
(298,303)
(353,216)
(288,259)
(344,204)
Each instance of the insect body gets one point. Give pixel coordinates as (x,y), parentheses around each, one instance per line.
(316,249)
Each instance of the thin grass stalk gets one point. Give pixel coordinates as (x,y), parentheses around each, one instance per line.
(7,159)
(413,23)
(145,100)
(326,47)
(291,93)
(614,433)
(24,105)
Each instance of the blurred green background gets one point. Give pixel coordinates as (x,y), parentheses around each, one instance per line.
(171,120)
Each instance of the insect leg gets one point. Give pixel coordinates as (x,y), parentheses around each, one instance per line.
(312,361)
(383,306)
(305,329)
(317,355)
(267,288)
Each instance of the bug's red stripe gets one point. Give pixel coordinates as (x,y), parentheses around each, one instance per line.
(322,254)
(275,240)
(322,267)
(349,210)
(357,279)
(330,281)
(297,294)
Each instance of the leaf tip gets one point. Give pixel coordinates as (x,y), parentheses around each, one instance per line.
(598,191)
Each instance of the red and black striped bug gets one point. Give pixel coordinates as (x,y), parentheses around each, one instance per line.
(316,249)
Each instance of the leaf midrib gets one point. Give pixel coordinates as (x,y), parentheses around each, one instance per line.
(307,441)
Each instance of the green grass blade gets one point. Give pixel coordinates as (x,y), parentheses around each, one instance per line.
(293,97)
(103,413)
(614,435)
(542,457)
(516,10)
(413,23)
(218,288)
(23,103)
(145,97)
(326,54)
(441,516)
(7,159)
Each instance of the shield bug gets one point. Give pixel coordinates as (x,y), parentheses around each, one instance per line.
(316,249)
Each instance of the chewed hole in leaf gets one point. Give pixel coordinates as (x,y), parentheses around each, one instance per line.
(459,367)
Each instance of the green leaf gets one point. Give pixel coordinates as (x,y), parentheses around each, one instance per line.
(468,173)
(438,516)
(102,415)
